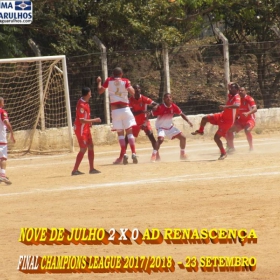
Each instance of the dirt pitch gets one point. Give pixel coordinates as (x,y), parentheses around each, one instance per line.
(242,191)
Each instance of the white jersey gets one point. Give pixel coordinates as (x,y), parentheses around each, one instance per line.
(117,88)
(3,134)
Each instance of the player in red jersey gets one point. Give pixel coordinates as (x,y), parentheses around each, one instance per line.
(225,119)
(4,125)
(122,117)
(82,126)
(245,120)
(139,106)
(165,126)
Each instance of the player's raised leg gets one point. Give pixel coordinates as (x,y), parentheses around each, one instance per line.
(203,122)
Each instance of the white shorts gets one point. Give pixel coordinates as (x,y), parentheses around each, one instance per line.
(3,151)
(170,133)
(122,119)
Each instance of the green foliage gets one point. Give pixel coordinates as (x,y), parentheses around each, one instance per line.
(248,19)
(68,27)
(252,21)
(9,43)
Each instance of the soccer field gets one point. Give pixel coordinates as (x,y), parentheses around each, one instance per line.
(241,192)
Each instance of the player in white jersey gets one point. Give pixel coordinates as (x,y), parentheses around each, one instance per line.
(165,127)
(4,124)
(122,117)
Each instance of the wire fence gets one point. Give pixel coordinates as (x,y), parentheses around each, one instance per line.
(196,74)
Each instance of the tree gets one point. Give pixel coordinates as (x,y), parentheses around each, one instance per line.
(57,29)
(250,22)
(144,24)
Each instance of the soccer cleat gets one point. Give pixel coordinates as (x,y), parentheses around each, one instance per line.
(94,171)
(134,158)
(118,161)
(222,156)
(153,157)
(5,180)
(125,159)
(183,156)
(197,132)
(230,150)
(77,172)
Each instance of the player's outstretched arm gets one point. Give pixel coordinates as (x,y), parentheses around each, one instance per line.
(99,86)
(96,120)
(186,119)
(154,106)
(131,91)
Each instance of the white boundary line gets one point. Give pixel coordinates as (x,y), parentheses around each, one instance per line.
(181,178)
(113,154)
(202,146)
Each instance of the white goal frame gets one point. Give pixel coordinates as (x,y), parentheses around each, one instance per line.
(42,91)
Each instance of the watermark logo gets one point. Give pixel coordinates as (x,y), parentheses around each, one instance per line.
(16,12)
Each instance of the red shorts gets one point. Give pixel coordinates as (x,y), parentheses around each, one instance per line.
(217,119)
(249,125)
(145,126)
(84,140)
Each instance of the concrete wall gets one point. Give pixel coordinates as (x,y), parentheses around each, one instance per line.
(57,138)
(266,119)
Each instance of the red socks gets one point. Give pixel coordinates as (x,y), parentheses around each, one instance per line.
(131,141)
(91,159)
(78,161)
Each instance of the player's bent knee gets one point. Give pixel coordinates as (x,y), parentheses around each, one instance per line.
(217,137)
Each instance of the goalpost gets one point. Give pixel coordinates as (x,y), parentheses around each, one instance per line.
(36,94)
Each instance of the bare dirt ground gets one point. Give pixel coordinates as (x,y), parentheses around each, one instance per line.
(239,192)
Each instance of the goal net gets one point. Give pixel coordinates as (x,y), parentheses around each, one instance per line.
(36,95)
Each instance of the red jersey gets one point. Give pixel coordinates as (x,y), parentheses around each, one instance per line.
(3,117)
(82,112)
(140,105)
(247,102)
(165,115)
(229,115)
(117,88)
